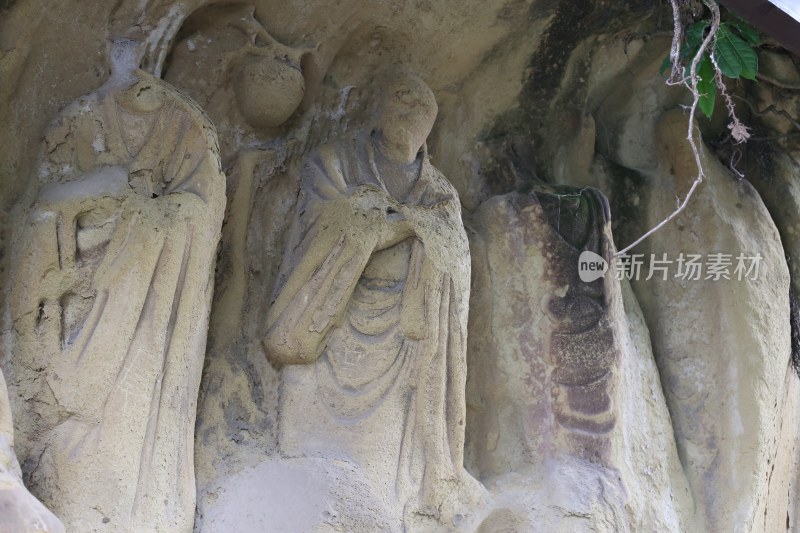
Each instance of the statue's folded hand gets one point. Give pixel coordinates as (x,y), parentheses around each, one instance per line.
(430,222)
(371,199)
(384,216)
(394,228)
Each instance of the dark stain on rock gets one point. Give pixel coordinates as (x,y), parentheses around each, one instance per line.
(519,137)
(794,313)
(581,350)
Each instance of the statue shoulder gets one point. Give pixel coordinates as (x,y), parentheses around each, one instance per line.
(322,173)
(439,188)
(327,169)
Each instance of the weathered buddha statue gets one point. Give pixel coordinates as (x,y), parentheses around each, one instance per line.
(111,301)
(369,316)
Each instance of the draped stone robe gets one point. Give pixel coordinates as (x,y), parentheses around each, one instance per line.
(111,300)
(373,341)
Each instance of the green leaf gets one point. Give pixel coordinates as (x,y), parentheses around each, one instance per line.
(706,86)
(696,32)
(746,32)
(734,56)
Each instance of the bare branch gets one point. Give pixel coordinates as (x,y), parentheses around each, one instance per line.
(692,82)
(676,77)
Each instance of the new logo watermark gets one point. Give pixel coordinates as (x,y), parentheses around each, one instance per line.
(690,267)
(591,266)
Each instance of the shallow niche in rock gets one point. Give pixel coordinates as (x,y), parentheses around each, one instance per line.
(249,76)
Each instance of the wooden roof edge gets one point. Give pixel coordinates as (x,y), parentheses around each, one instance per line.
(771,19)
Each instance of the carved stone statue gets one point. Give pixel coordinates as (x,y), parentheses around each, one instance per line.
(111,304)
(553,354)
(20,511)
(369,316)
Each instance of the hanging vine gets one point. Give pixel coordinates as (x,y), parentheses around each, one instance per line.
(700,57)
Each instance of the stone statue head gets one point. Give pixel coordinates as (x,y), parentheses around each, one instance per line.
(406,114)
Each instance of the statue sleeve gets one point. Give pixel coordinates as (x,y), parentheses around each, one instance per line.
(334,244)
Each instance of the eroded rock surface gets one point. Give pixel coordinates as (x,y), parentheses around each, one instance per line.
(20,511)
(730,330)
(110,304)
(351,319)
(554,362)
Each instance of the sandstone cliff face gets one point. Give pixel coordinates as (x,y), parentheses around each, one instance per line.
(296,266)
(743,347)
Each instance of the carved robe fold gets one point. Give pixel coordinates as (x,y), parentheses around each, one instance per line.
(112,298)
(373,341)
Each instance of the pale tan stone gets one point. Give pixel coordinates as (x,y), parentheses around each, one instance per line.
(555,364)
(237,408)
(369,319)
(20,511)
(111,301)
(722,347)
(563,91)
(774,175)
